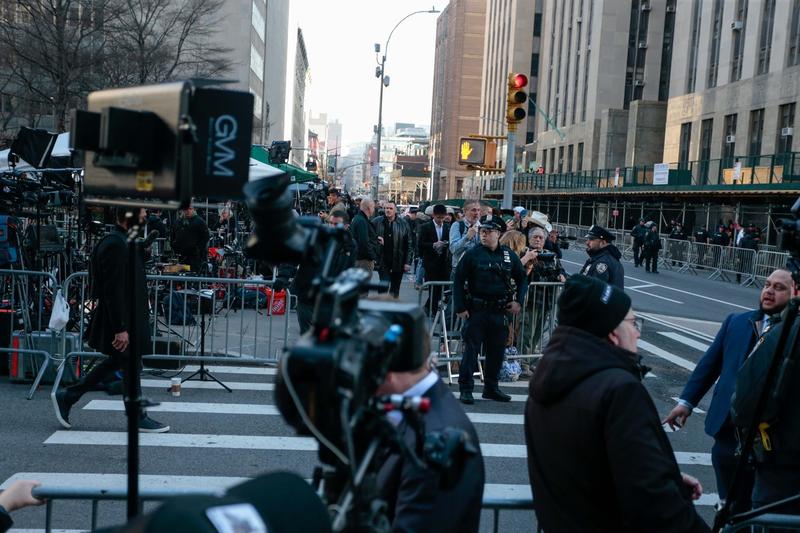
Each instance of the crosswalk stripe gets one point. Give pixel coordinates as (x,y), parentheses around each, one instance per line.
(258,442)
(266,410)
(685,340)
(196,384)
(508,491)
(663,354)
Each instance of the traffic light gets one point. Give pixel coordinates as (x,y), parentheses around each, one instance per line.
(517,98)
(471,151)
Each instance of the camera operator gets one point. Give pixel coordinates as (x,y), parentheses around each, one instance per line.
(487,272)
(305,272)
(552,243)
(598,458)
(416,501)
(394,237)
(776,447)
(603,262)
(224,227)
(364,235)
(190,240)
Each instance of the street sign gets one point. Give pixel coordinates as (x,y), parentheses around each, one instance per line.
(471,151)
(616,177)
(737,171)
(661,174)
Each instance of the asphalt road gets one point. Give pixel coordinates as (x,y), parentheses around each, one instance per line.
(218,438)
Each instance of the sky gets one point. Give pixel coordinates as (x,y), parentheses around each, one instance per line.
(340,36)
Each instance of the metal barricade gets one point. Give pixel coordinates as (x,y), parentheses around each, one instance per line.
(535,324)
(766,522)
(736,261)
(676,253)
(31,293)
(767,262)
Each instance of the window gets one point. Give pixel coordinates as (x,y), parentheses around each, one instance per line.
(756,133)
(544,160)
(256,63)
(560,159)
(570,153)
(716,33)
(552,160)
(691,75)
(783,141)
(737,48)
(706,129)
(637,51)
(729,141)
(765,39)
(559,65)
(537,25)
(529,137)
(535,65)
(257,19)
(666,52)
(685,143)
(793,57)
(579,162)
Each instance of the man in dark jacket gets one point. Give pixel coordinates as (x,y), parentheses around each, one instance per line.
(190,241)
(416,500)
(652,244)
(394,237)
(364,235)
(112,318)
(305,273)
(598,458)
(433,245)
(603,262)
(718,368)
(637,236)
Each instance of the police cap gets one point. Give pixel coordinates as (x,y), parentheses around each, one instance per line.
(492,222)
(599,232)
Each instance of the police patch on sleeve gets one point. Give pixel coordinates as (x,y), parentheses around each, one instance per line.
(601,268)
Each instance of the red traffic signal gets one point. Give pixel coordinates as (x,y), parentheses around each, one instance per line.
(519,81)
(516,98)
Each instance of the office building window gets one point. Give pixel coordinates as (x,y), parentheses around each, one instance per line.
(552,159)
(685,143)
(691,74)
(568,59)
(793,57)
(637,51)
(706,127)
(756,133)
(534,65)
(558,115)
(716,33)
(729,141)
(537,25)
(570,153)
(666,52)
(586,59)
(765,38)
(737,46)
(543,162)
(579,161)
(560,159)
(783,141)
(529,137)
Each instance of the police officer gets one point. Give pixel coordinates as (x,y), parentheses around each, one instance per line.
(701,238)
(677,234)
(638,234)
(485,272)
(603,262)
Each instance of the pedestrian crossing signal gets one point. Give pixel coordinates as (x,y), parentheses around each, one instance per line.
(472,151)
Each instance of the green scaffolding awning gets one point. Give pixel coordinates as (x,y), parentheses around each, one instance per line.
(299,175)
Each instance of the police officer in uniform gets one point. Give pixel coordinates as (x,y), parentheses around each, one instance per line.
(603,262)
(482,295)
(701,238)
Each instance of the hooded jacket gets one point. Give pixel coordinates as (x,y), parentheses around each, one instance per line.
(604,265)
(598,458)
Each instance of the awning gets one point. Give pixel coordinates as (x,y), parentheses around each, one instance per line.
(299,175)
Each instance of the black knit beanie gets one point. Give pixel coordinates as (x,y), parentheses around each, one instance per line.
(592,305)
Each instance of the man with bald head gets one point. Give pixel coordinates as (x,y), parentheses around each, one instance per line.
(735,340)
(364,234)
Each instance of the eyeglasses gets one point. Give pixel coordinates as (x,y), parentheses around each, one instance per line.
(638,322)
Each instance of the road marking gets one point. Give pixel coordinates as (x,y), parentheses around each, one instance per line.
(196,384)
(673,289)
(647,286)
(264,410)
(692,458)
(634,289)
(658,352)
(684,329)
(696,410)
(523,492)
(685,340)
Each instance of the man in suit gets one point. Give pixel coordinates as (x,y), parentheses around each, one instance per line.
(113,315)
(733,343)
(433,244)
(364,235)
(416,501)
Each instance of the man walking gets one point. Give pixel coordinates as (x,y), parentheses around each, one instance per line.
(394,238)
(486,273)
(603,262)
(364,234)
(720,364)
(637,236)
(433,237)
(598,458)
(111,320)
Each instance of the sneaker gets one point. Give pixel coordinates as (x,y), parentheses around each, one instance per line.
(62,407)
(148,425)
(496,394)
(466,398)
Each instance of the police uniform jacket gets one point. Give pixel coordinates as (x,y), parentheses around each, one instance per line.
(678,235)
(598,458)
(638,233)
(604,265)
(487,274)
(110,288)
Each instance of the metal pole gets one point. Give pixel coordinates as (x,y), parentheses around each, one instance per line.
(377,168)
(508,191)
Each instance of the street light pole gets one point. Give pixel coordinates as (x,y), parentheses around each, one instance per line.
(385,82)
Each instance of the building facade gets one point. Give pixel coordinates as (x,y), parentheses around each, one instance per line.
(298,110)
(276,57)
(604,79)
(457,75)
(735,84)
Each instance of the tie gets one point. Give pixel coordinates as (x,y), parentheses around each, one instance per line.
(770,322)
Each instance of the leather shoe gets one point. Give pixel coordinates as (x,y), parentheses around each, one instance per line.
(466,398)
(496,394)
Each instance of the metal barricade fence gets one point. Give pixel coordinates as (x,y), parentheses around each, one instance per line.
(675,253)
(767,262)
